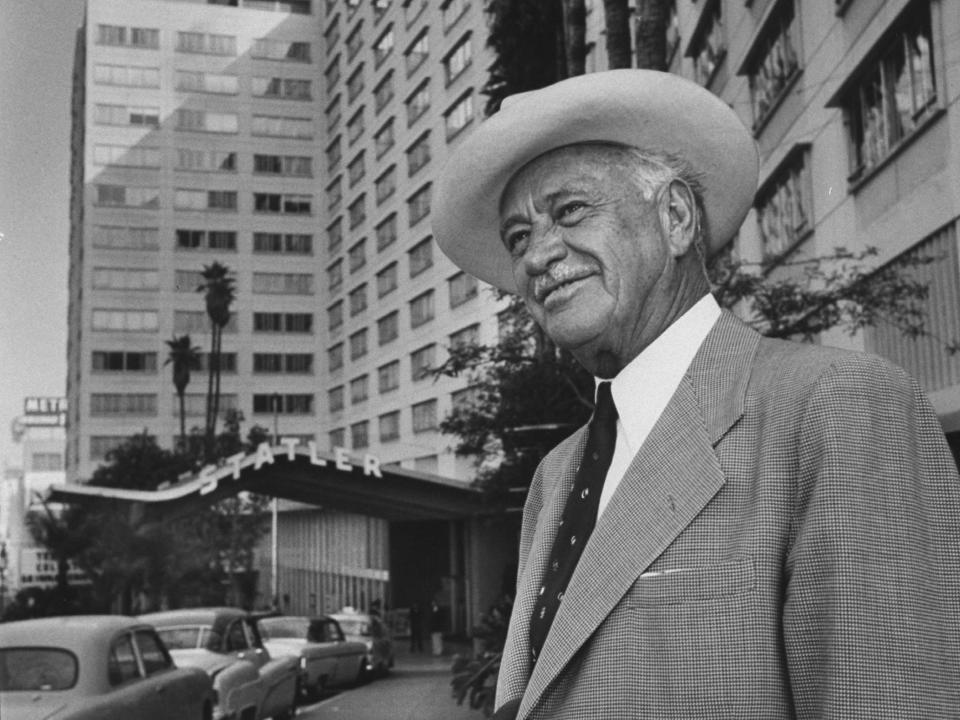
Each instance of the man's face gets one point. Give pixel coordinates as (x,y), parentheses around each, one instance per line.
(589,252)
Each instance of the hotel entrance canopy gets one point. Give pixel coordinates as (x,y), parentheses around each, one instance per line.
(293,472)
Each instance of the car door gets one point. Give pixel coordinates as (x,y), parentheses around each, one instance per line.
(347,663)
(178,694)
(133,694)
(279,675)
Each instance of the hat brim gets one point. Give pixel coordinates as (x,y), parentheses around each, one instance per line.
(650,110)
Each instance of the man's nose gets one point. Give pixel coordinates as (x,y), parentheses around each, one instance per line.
(545,248)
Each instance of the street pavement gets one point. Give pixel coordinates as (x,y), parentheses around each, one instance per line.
(418,688)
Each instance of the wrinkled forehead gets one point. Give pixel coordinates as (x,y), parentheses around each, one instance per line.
(566,163)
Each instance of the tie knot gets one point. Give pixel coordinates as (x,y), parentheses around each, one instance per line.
(606,411)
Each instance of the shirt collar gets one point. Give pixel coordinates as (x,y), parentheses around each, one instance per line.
(642,389)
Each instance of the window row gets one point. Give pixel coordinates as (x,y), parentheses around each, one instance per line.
(145,404)
(195,160)
(196,321)
(195,199)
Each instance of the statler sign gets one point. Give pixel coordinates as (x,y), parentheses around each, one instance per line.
(288,450)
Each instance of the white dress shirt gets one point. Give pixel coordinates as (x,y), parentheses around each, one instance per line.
(643,388)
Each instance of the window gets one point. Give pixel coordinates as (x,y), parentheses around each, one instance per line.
(206,43)
(338,438)
(204,121)
(707,47)
(332,74)
(107,278)
(191,160)
(124,196)
(773,62)
(228,364)
(418,102)
(421,256)
(195,404)
(289,127)
(425,416)
(335,276)
(283,243)
(334,194)
(470,335)
(289,404)
(380,7)
(124,361)
(123,155)
(332,33)
(100,445)
(272,49)
(205,239)
(297,7)
(126,75)
(283,322)
(357,255)
(383,46)
(357,211)
(418,154)
(356,169)
(335,236)
(197,321)
(387,280)
(335,357)
(120,237)
(890,98)
(384,139)
(106,404)
(137,115)
(289,363)
(784,212)
(388,377)
(46,462)
(419,204)
(459,115)
(360,435)
(279,88)
(418,51)
(386,184)
(283,283)
(196,81)
(462,287)
(355,126)
(458,59)
(292,165)
(386,232)
(355,83)
(124,320)
(452,12)
(383,92)
(358,344)
(354,41)
(134,37)
(389,426)
(421,309)
(465,398)
(282,203)
(333,114)
(359,389)
(388,328)
(335,399)
(358,299)
(224,200)
(334,154)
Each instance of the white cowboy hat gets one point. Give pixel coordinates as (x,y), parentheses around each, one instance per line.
(654,111)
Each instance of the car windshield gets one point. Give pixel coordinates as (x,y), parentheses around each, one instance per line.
(189,637)
(284,627)
(351,626)
(37,669)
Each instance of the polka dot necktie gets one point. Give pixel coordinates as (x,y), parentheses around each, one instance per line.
(579,517)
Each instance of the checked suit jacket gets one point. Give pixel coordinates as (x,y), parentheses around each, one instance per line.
(786,544)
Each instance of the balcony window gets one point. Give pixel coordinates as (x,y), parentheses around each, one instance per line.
(383,46)
(384,138)
(418,154)
(418,102)
(708,46)
(784,212)
(773,62)
(418,51)
(458,59)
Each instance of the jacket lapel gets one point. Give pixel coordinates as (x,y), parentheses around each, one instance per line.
(671,479)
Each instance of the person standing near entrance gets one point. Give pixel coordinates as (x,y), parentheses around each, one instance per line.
(436,628)
(747,527)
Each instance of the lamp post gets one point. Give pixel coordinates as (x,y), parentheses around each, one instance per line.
(274,547)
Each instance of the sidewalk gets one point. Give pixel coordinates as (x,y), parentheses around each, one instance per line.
(418,688)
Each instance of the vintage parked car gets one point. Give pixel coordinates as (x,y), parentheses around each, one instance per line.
(327,658)
(95,667)
(225,642)
(372,632)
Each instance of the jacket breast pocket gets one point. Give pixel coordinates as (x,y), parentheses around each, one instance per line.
(680,585)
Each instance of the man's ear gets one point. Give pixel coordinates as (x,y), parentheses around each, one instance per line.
(678,217)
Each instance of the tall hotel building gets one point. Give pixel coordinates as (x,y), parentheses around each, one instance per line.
(297,143)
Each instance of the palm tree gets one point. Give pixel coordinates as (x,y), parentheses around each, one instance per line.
(184,357)
(219,293)
(617,20)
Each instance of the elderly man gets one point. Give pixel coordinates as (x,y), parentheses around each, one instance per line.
(747,528)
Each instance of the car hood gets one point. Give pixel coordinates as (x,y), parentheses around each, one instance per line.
(31,705)
(206,660)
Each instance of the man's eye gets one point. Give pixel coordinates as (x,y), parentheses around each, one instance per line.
(569,209)
(517,240)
